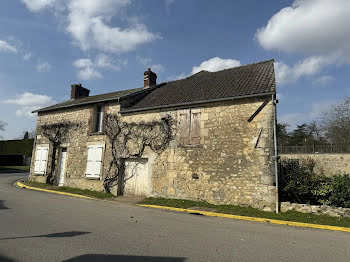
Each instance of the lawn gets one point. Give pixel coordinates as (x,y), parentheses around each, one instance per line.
(251,212)
(84,192)
(9,169)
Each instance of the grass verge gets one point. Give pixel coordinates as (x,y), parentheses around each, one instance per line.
(9,169)
(251,212)
(84,192)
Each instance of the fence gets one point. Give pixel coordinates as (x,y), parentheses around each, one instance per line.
(315,149)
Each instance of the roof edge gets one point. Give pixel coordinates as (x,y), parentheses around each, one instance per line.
(197,102)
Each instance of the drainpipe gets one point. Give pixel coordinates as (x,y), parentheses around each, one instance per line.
(275,157)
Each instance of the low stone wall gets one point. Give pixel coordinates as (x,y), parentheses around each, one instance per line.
(327,164)
(318,210)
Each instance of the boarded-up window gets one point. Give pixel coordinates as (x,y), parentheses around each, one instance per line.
(190,123)
(94,161)
(40,162)
(185,123)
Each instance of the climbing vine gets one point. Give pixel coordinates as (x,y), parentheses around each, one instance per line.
(56,134)
(129,139)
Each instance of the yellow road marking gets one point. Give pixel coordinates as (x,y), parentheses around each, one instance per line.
(52,191)
(256,219)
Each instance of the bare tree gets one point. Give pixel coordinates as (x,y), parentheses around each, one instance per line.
(2,126)
(130,140)
(335,123)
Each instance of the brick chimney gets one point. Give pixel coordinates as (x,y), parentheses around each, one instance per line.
(150,78)
(78,91)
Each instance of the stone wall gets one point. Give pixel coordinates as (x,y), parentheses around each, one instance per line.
(229,166)
(327,164)
(319,210)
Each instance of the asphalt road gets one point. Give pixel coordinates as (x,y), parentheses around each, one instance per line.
(38,226)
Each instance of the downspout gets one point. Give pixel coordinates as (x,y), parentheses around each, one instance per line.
(275,157)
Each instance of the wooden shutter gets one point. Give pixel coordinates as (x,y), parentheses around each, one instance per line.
(195,126)
(185,127)
(90,161)
(98,160)
(91,121)
(37,160)
(43,160)
(94,161)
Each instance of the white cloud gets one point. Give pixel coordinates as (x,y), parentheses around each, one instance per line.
(6,47)
(88,69)
(307,67)
(43,67)
(27,56)
(215,64)
(29,102)
(308,25)
(322,80)
(87,23)
(312,27)
(38,5)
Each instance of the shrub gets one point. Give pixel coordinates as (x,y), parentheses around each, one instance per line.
(298,183)
(340,188)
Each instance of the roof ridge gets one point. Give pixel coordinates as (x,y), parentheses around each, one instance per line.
(206,71)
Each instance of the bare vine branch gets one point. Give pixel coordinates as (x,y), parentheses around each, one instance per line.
(130,140)
(56,133)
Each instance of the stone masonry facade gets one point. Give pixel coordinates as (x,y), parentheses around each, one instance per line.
(232,164)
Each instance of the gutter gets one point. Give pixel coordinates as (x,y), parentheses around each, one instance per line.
(196,102)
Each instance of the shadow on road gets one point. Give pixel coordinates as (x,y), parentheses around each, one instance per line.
(5,259)
(2,206)
(122,258)
(53,235)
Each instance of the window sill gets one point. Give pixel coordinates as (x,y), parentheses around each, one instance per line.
(192,146)
(92,177)
(97,134)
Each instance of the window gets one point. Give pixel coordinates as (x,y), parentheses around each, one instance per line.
(94,161)
(99,119)
(40,161)
(190,127)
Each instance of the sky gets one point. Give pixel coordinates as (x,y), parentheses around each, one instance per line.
(106,45)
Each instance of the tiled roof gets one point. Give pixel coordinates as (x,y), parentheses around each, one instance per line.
(89,100)
(247,80)
(252,79)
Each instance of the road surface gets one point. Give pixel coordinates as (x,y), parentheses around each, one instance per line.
(38,226)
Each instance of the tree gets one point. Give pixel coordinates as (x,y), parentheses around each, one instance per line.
(282,134)
(335,123)
(2,126)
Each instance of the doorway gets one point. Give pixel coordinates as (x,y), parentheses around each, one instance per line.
(137,180)
(62,166)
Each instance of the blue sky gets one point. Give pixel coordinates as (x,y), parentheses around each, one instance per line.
(46,45)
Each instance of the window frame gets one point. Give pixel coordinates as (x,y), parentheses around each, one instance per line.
(193,138)
(99,121)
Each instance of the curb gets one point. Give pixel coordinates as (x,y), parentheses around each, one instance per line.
(255,219)
(53,191)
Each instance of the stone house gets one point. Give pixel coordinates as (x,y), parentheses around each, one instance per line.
(221,149)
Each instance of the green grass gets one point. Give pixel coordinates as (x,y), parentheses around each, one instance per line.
(252,212)
(84,192)
(8,169)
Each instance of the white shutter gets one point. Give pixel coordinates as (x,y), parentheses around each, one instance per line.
(90,161)
(98,161)
(94,161)
(43,160)
(37,160)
